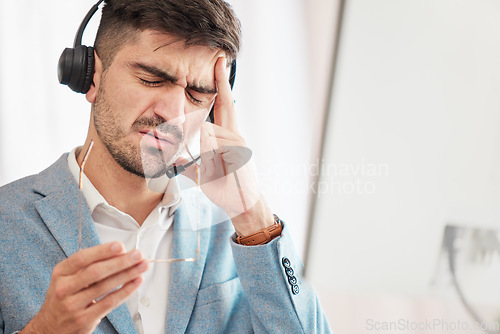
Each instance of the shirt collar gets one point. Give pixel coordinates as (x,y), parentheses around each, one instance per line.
(170,201)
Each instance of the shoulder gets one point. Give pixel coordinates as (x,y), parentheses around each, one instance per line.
(18,196)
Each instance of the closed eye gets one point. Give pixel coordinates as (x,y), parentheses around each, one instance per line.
(158,83)
(195,100)
(151,83)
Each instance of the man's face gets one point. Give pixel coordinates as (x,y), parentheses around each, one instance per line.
(152,100)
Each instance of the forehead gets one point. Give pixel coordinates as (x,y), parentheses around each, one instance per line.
(192,63)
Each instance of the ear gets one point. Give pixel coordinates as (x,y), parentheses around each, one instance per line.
(94,87)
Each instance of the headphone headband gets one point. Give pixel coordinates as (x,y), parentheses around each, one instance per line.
(83,25)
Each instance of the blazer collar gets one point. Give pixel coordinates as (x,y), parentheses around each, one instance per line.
(59,210)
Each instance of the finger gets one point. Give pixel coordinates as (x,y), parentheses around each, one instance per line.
(229,151)
(87,256)
(112,300)
(208,145)
(234,156)
(96,291)
(101,270)
(220,132)
(206,133)
(224,113)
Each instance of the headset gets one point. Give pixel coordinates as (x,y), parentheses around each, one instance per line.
(76,65)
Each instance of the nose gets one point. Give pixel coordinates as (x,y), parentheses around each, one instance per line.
(170,105)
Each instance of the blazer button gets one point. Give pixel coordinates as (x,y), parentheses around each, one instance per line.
(289,271)
(286,262)
(292,280)
(295,289)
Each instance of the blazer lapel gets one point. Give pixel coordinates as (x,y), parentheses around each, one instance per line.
(185,277)
(59,208)
(59,211)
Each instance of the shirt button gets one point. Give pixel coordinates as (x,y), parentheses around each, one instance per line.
(145,301)
(292,280)
(141,234)
(295,289)
(289,271)
(286,262)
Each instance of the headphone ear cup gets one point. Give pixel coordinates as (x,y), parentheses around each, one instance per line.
(75,79)
(76,68)
(65,66)
(89,70)
(79,68)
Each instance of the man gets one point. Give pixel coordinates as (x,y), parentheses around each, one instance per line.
(160,65)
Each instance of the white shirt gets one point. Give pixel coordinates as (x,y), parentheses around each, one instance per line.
(148,305)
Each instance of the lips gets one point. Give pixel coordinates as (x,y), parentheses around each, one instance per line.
(157,138)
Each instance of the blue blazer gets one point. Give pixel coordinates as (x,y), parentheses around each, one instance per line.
(230,289)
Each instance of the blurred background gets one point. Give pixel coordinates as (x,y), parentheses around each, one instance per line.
(375,128)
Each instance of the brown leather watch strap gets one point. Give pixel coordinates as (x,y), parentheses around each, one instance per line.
(263,236)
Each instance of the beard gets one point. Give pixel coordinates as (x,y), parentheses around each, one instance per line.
(141,159)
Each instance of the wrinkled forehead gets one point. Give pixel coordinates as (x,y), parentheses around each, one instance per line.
(191,63)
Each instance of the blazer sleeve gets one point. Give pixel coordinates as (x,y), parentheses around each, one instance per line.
(280,300)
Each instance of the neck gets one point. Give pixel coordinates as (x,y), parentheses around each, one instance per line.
(125,191)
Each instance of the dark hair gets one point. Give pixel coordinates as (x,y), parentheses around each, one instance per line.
(209,23)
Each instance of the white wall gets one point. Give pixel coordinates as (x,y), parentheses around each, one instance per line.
(39,119)
(273,92)
(416,126)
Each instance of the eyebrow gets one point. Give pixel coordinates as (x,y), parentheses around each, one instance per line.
(170,78)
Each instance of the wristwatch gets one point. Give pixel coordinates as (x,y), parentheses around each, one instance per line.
(263,236)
